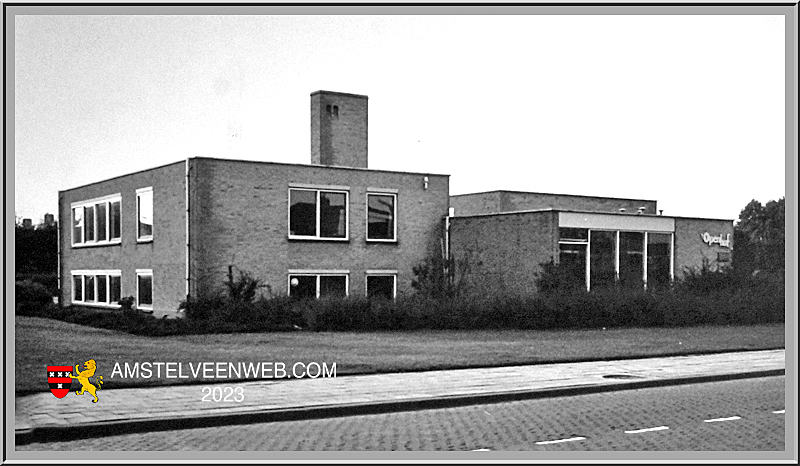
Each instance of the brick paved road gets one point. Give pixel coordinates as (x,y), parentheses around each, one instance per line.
(601,419)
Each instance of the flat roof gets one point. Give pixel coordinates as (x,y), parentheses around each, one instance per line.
(554,194)
(331,167)
(535,211)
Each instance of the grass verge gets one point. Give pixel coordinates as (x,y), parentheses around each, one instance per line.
(40,342)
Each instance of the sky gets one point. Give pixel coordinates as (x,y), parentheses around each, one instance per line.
(685,110)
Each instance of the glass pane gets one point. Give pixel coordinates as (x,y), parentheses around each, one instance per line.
(332,286)
(572,265)
(333,215)
(114,289)
(145,214)
(88,215)
(573,234)
(77,287)
(603,253)
(145,290)
(380,217)
(77,225)
(114,221)
(302,213)
(303,286)
(101,221)
(658,254)
(381,287)
(88,287)
(102,297)
(631,259)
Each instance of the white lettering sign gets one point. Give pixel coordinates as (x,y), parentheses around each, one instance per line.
(712,240)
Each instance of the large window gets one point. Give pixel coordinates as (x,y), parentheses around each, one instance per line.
(659,260)
(572,245)
(381,217)
(312,285)
(144,289)
(144,214)
(96,222)
(603,257)
(317,214)
(96,287)
(631,259)
(381,286)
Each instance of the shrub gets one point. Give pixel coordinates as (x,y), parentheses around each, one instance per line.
(31,297)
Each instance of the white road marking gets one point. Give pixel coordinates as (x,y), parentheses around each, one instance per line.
(572,439)
(782,411)
(720,419)
(651,429)
(482,449)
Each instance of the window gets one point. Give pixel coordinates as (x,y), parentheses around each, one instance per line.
(381,286)
(311,285)
(381,215)
(317,214)
(658,260)
(144,289)
(572,256)
(96,287)
(631,259)
(144,214)
(602,260)
(96,222)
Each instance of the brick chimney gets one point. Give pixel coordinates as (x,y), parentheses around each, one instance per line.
(338,129)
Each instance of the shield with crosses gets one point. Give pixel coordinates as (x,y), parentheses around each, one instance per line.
(59,379)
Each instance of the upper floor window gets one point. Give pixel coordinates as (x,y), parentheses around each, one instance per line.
(144,214)
(381,217)
(317,214)
(97,221)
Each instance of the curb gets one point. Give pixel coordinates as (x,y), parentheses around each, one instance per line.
(48,434)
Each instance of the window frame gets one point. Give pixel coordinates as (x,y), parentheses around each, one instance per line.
(95,273)
(317,274)
(377,192)
(139,193)
(318,218)
(381,273)
(92,204)
(140,273)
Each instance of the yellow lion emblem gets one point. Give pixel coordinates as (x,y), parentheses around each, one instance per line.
(83,378)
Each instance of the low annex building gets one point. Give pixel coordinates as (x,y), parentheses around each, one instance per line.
(335,227)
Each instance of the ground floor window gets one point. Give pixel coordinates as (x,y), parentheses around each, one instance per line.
(381,286)
(96,287)
(144,289)
(600,259)
(313,285)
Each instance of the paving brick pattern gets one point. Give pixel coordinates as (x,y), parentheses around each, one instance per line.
(182,402)
(600,418)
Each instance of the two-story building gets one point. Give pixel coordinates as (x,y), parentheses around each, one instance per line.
(333,227)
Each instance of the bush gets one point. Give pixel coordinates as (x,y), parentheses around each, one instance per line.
(31,298)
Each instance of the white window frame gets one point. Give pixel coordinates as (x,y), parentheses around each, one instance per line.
(83,274)
(319,190)
(381,273)
(145,272)
(92,203)
(380,192)
(318,274)
(139,192)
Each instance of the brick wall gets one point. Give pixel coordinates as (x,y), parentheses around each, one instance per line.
(503,252)
(165,255)
(240,217)
(510,201)
(690,249)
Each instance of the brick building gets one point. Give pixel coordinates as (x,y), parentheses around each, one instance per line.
(333,227)
(502,238)
(337,228)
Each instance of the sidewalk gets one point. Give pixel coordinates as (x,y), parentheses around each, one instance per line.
(43,417)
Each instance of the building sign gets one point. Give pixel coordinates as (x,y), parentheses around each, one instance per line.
(712,240)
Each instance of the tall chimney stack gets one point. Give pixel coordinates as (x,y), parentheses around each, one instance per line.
(338,129)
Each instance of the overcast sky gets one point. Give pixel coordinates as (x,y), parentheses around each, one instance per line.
(686,110)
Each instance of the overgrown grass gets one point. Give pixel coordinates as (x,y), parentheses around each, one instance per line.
(40,342)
